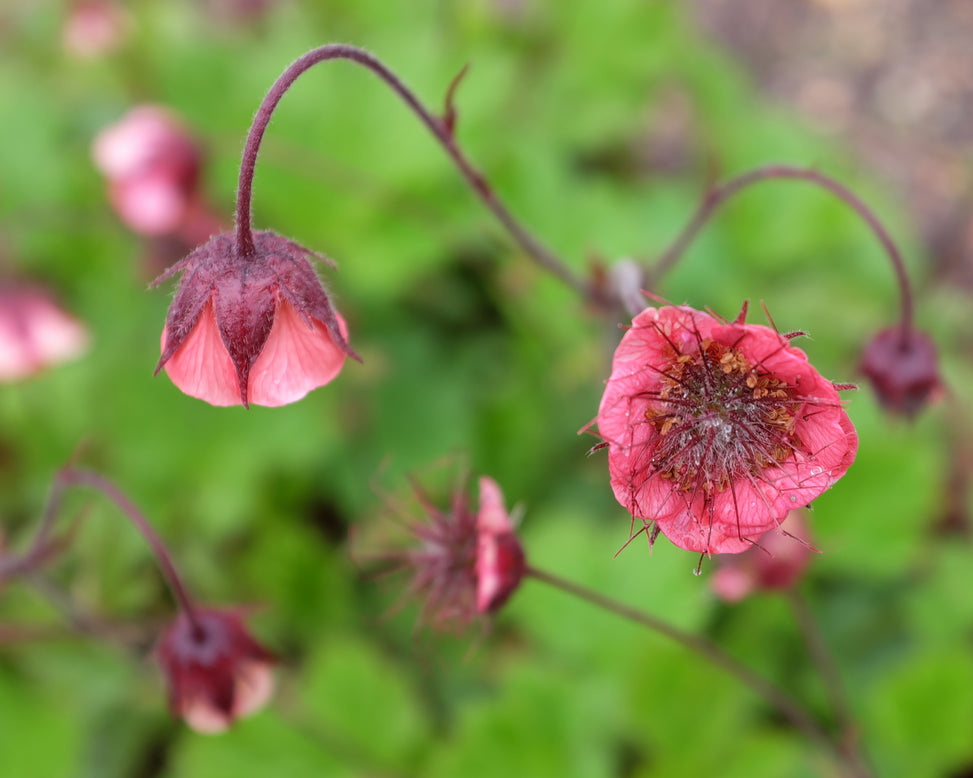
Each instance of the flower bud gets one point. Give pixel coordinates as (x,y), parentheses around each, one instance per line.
(257,329)
(215,671)
(903,369)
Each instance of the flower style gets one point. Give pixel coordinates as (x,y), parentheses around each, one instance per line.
(903,368)
(251,329)
(777,562)
(216,672)
(716,429)
(152,165)
(35,333)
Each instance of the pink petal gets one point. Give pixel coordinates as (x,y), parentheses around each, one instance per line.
(201,367)
(295,359)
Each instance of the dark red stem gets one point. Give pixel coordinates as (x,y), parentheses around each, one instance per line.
(718,194)
(70,476)
(441,130)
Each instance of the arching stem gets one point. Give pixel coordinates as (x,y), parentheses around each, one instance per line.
(719,194)
(441,129)
(716,656)
(71,476)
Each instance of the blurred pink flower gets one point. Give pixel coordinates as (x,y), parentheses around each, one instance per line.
(35,333)
(215,671)
(257,329)
(715,429)
(777,561)
(499,556)
(152,165)
(94,28)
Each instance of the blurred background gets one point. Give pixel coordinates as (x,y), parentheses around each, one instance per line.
(600,125)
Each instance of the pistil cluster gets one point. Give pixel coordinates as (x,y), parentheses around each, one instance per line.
(719,417)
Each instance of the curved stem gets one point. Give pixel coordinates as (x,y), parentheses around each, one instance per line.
(709,651)
(827,667)
(441,130)
(717,195)
(71,476)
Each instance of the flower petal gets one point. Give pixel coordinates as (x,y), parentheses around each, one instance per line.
(295,359)
(201,366)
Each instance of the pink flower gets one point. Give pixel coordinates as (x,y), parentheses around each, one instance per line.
(715,429)
(216,672)
(95,28)
(500,560)
(463,564)
(903,368)
(257,329)
(152,165)
(35,333)
(777,562)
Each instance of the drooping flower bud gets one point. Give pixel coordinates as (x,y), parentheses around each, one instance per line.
(257,329)
(776,562)
(215,671)
(716,429)
(903,369)
(35,333)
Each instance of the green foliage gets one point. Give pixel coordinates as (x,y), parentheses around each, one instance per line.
(469,352)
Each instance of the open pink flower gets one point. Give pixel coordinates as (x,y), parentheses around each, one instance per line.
(35,333)
(216,672)
(716,429)
(152,165)
(256,329)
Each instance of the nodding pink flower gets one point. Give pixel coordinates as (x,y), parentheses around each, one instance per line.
(216,672)
(35,333)
(903,368)
(465,564)
(776,562)
(152,165)
(258,329)
(716,429)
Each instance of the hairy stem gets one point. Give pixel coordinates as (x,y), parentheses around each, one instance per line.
(441,129)
(717,195)
(712,653)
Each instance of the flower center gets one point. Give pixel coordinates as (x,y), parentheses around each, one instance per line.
(719,418)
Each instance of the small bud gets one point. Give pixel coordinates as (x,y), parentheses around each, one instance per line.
(35,333)
(903,368)
(216,672)
(257,329)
